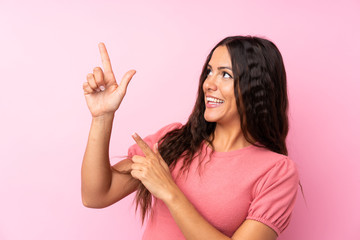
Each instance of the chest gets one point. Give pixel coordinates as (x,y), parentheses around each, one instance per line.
(220,191)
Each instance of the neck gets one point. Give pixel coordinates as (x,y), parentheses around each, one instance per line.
(228,138)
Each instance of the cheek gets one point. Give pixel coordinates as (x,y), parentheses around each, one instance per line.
(229,95)
(228,91)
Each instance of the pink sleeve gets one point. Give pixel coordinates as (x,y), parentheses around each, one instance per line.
(275,195)
(152,139)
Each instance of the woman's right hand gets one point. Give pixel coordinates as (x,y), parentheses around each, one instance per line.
(103,95)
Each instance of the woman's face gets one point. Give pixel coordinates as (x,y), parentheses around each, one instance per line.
(218,89)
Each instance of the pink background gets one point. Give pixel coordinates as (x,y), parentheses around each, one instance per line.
(47,49)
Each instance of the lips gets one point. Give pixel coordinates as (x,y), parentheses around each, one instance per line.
(213,101)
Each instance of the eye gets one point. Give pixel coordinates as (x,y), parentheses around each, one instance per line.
(226,75)
(208,72)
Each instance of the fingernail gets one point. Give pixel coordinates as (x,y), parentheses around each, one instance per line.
(102,88)
(134,134)
(97,90)
(156,145)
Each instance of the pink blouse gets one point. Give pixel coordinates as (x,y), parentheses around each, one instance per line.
(248,183)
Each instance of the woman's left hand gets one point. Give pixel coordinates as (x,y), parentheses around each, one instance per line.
(152,171)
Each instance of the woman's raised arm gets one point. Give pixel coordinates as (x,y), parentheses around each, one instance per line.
(102,184)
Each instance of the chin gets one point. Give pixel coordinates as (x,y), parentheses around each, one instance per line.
(211,118)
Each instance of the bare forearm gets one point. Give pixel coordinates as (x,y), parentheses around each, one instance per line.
(96,171)
(190,222)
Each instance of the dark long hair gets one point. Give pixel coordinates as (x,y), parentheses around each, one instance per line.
(261,99)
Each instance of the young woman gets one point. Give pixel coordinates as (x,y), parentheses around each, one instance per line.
(224,174)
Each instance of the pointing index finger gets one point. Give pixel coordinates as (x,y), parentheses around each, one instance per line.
(105,58)
(143,145)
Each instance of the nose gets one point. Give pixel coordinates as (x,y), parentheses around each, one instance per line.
(210,84)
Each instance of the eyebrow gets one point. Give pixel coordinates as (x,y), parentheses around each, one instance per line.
(222,67)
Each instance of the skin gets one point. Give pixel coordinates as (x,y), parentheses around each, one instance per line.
(103,185)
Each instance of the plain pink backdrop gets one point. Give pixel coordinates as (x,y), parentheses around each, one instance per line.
(48,47)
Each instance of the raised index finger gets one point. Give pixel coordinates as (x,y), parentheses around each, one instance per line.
(105,58)
(143,145)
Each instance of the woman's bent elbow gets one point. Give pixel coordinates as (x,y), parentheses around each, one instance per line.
(91,203)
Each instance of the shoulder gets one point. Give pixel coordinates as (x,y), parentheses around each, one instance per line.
(285,169)
(170,127)
(279,171)
(269,160)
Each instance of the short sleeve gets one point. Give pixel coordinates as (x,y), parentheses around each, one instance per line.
(274,196)
(152,139)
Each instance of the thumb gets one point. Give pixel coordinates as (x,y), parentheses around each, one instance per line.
(125,81)
(161,160)
(156,150)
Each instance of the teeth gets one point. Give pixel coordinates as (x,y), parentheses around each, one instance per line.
(211,99)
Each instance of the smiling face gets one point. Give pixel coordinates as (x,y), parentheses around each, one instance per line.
(218,89)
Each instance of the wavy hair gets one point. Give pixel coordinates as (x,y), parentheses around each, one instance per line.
(261,98)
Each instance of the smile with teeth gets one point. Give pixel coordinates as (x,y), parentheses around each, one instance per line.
(211,101)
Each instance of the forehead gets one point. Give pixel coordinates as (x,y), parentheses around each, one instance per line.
(220,57)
